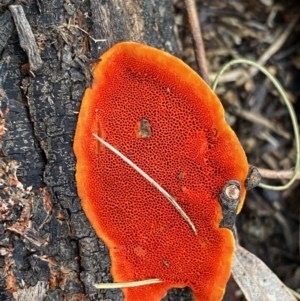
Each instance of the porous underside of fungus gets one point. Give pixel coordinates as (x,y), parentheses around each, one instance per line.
(161,115)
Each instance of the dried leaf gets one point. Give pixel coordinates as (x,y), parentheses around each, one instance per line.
(256,280)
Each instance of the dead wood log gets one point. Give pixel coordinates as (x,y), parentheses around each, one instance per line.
(48,250)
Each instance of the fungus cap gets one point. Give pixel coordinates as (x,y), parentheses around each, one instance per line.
(161,115)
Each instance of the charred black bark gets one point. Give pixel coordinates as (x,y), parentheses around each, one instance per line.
(48,248)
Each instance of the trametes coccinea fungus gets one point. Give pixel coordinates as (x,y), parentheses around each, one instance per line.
(160,114)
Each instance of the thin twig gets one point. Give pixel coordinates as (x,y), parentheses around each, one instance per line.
(278,43)
(277,174)
(149,179)
(274,47)
(197,38)
(127,284)
(258,119)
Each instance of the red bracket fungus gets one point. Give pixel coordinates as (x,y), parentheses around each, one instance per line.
(160,114)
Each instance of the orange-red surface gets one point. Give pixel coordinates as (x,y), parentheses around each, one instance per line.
(161,115)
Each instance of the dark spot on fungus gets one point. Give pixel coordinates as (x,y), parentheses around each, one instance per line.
(253,178)
(137,223)
(229,199)
(143,129)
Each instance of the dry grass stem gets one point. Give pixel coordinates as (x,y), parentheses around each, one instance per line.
(151,180)
(127,284)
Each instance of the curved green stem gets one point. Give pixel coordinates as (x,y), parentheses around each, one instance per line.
(290,109)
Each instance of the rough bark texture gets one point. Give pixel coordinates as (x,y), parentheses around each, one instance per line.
(48,250)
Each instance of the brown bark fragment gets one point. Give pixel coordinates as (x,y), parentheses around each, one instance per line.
(26,37)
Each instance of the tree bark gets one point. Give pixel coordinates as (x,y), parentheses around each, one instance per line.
(48,250)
